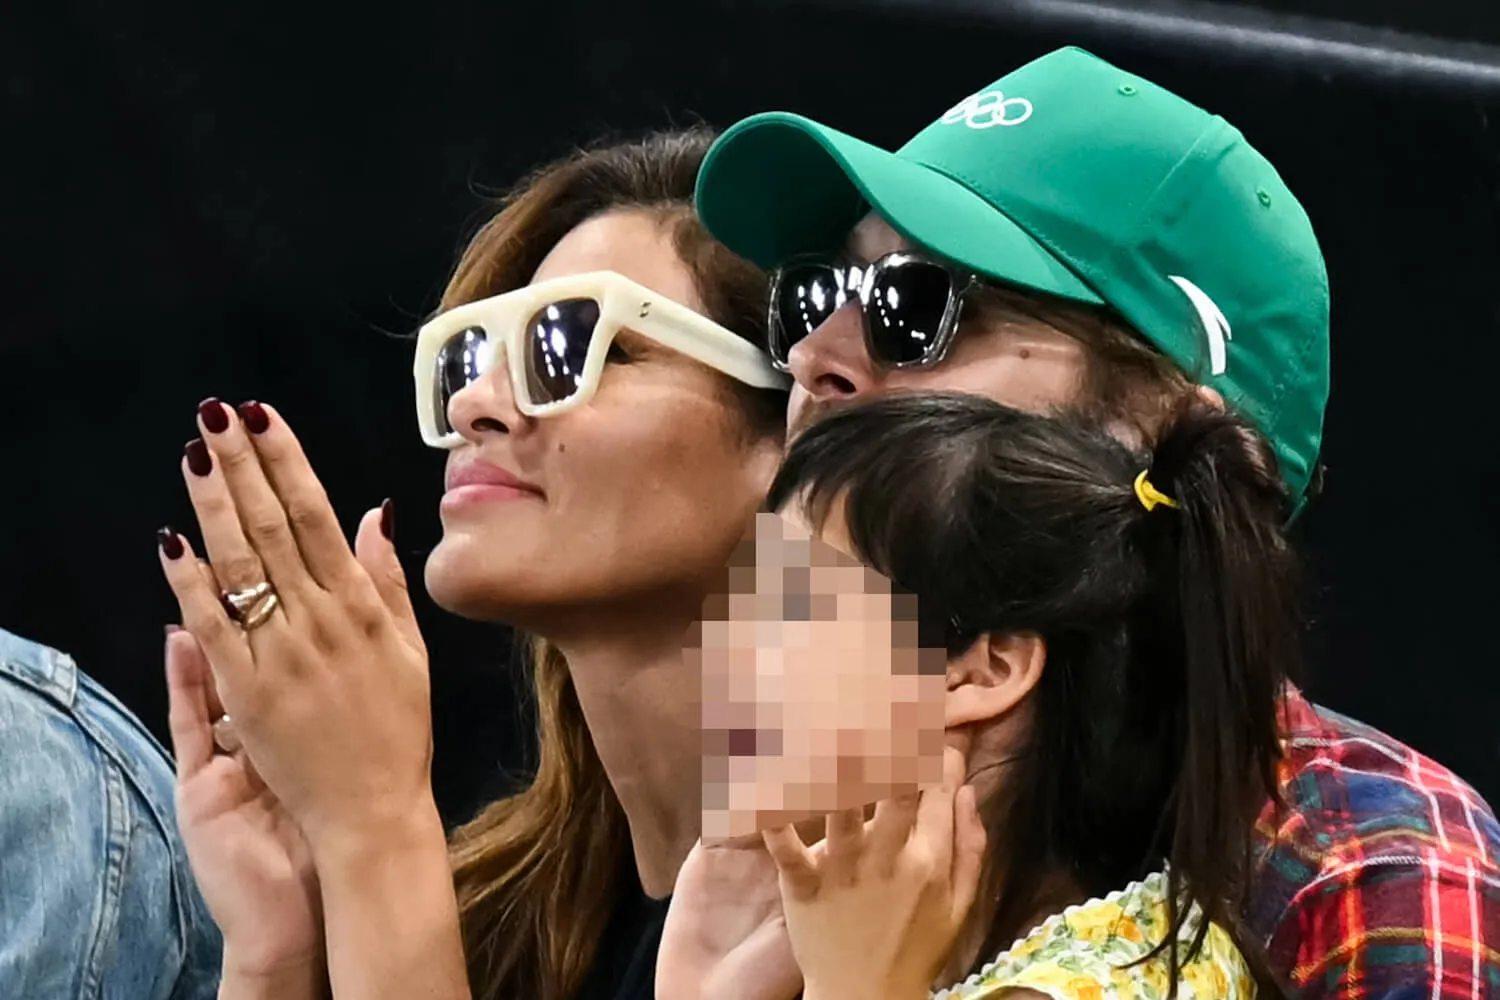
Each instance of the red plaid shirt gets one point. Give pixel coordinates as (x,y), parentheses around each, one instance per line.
(1382,876)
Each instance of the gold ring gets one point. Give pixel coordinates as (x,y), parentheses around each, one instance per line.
(244,600)
(252,607)
(261,613)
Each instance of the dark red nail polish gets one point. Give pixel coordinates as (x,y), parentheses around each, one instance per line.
(170,543)
(211,412)
(255,417)
(388,520)
(198,458)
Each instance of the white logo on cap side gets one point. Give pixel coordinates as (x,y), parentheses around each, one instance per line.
(1215,326)
(989,109)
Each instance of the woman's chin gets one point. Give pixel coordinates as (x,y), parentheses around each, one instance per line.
(464,585)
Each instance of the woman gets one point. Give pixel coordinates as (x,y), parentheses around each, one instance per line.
(598,525)
(1117,638)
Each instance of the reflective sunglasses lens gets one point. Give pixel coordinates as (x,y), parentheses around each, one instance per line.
(459,362)
(905,310)
(557,344)
(806,296)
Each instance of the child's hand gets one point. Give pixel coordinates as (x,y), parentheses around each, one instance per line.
(873,911)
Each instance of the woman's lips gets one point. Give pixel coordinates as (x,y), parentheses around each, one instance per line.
(483,482)
(473,493)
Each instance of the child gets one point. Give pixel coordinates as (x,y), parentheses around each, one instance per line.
(1120,628)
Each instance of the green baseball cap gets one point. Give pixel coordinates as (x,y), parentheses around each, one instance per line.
(1074,178)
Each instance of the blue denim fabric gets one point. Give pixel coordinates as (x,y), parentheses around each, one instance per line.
(96,898)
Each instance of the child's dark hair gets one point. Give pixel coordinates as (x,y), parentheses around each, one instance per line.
(1169,632)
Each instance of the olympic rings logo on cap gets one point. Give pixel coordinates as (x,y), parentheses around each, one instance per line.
(989,109)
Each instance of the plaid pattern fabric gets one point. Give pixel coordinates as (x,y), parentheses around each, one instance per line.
(1381,878)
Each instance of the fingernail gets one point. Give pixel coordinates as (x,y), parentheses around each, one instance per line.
(255,417)
(198,458)
(211,412)
(170,543)
(388,520)
(171,630)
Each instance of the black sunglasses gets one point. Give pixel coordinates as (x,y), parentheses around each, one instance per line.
(909,304)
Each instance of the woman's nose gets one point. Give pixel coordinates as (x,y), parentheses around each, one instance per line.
(486,405)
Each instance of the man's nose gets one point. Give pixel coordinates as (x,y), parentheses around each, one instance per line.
(832,362)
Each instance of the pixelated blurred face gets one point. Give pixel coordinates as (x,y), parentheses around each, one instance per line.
(816,695)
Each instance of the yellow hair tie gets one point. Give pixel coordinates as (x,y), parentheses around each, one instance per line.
(1149,495)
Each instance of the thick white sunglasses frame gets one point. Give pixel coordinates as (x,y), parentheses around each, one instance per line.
(623,304)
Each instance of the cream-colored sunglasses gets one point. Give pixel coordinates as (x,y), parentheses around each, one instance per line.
(555,337)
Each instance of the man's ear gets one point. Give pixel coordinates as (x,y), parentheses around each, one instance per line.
(1211,397)
(993,676)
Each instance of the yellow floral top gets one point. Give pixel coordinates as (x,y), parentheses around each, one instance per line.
(1085,953)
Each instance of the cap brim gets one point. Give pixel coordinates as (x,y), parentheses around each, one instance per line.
(779,185)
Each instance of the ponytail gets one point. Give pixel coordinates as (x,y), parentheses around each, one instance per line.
(1223,586)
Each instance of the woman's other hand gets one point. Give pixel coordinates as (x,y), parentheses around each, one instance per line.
(248,856)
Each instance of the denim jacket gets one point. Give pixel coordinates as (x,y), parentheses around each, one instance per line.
(96,898)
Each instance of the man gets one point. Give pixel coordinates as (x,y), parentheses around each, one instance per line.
(1074,237)
(96,899)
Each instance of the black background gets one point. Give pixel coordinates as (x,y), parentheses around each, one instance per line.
(252,201)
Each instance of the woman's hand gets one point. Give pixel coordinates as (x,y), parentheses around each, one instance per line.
(317,658)
(874,909)
(725,937)
(249,858)
(329,693)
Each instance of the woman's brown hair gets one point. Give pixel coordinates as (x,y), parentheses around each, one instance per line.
(538,873)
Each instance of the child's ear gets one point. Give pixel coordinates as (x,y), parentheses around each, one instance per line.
(993,676)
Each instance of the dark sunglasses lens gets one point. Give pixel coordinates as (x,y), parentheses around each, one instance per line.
(806,296)
(457,365)
(905,310)
(557,344)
